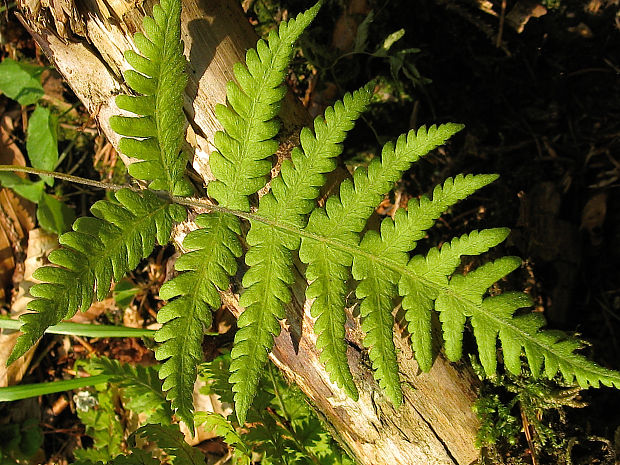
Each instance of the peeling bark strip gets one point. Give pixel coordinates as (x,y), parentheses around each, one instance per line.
(436,425)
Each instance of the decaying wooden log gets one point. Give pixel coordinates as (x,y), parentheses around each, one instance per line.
(85,41)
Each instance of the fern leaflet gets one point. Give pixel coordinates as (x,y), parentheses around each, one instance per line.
(98,250)
(269,257)
(254,101)
(141,388)
(155,136)
(205,269)
(171,440)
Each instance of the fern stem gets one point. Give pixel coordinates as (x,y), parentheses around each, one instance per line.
(66,177)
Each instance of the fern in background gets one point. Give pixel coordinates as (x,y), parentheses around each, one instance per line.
(282,428)
(140,387)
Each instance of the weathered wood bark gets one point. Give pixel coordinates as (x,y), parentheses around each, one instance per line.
(86,43)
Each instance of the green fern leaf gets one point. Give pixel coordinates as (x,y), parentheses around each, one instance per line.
(270,260)
(156,135)
(378,285)
(342,219)
(437,266)
(222,427)
(141,388)
(555,350)
(254,101)
(172,441)
(97,251)
(211,259)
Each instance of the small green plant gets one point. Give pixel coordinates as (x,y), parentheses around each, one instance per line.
(21,82)
(508,404)
(331,239)
(19,441)
(282,428)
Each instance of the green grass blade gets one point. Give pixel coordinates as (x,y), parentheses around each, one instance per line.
(86,330)
(25,391)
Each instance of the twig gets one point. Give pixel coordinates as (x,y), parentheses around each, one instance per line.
(528,435)
(502,18)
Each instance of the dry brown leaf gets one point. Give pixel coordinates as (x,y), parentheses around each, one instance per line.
(593,216)
(345,29)
(521,13)
(17,215)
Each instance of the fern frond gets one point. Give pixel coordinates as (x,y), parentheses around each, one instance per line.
(222,427)
(269,257)
(98,250)
(240,164)
(141,388)
(171,440)
(342,219)
(156,135)
(211,259)
(378,285)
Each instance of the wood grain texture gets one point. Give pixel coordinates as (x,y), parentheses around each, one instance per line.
(436,425)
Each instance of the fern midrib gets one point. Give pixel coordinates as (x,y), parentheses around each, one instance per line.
(266,296)
(375,296)
(386,262)
(256,347)
(184,354)
(202,276)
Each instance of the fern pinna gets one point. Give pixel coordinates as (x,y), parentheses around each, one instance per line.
(287,221)
(104,248)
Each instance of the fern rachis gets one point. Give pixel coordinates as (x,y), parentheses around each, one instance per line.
(288,220)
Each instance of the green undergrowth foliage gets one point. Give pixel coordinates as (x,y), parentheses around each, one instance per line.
(509,403)
(332,240)
(128,414)
(281,428)
(21,82)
